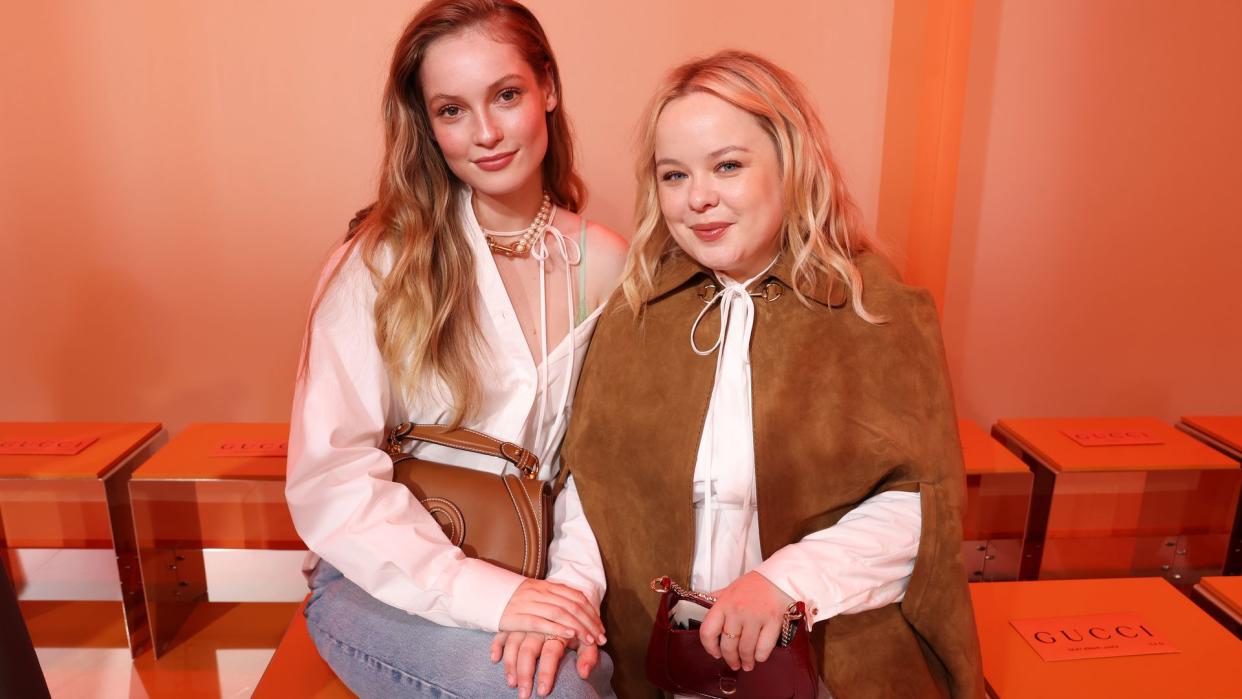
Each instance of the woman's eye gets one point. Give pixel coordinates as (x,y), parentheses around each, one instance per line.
(672,175)
(508,95)
(450,111)
(729,166)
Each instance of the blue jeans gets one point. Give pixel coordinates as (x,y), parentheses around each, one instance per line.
(382,651)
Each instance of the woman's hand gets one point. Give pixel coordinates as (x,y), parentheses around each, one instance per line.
(519,650)
(551,609)
(745,623)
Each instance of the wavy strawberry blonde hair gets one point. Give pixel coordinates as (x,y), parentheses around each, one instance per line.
(425,319)
(820,231)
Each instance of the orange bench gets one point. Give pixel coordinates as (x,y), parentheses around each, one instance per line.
(217,487)
(1221,597)
(1223,433)
(76,501)
(296,670)
(998,495)
(1206,666)
(1121,497)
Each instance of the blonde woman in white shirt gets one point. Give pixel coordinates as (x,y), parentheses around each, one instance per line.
(462,296)
(767,416)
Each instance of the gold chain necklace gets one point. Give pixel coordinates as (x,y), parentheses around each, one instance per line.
(526,239)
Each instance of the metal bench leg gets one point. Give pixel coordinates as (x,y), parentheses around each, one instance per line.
(20,673)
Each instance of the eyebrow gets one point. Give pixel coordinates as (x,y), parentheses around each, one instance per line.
(490,88)
(710,156)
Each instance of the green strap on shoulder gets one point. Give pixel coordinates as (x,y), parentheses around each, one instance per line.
(582,295)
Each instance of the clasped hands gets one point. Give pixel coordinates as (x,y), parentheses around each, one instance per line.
(544,619)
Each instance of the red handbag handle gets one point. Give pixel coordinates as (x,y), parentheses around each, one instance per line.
(467,439)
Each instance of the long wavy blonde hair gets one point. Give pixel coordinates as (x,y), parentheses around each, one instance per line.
(820,231)
(425,308)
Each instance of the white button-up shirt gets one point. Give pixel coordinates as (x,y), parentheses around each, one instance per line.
(862,562)
(339,484)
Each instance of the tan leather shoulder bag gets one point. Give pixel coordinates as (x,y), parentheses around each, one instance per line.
(503,519)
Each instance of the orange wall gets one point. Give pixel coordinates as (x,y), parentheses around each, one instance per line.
(927,74)
(172,174)
(1097,247)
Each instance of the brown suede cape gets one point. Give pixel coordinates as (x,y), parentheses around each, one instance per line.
(843,409)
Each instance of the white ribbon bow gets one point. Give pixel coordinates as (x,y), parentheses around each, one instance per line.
(737,308)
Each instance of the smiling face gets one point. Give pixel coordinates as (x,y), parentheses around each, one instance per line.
(719,183)
(487,109)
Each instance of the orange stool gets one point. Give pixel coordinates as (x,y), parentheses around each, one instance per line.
(1206,666)
(1222,598)
(296,670)
(1223,433)
(998,496)
(1120,497)
(76,501)
(194,496)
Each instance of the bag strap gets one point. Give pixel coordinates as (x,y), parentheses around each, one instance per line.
(466,439)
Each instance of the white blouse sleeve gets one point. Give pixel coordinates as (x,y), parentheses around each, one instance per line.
(573,555)
(339,483)
(862,562)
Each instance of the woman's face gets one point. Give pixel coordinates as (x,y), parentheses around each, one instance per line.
(719,182)
(487,109)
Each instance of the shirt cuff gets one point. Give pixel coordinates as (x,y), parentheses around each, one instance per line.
(481,591)
(781,569)
(593,593)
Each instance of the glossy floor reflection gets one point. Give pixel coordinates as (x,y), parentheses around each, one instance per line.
(221,652)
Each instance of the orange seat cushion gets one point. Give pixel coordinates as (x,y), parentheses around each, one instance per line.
(296,670)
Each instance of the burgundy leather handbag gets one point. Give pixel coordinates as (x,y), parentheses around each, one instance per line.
(677,663)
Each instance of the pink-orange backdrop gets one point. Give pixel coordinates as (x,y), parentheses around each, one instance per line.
(175,172)
(172,174)
(1096,264)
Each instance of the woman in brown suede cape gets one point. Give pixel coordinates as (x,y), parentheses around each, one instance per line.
(824,394)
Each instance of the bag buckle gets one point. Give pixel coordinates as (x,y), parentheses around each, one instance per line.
(398,436)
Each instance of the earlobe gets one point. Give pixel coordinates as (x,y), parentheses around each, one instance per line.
(549,96)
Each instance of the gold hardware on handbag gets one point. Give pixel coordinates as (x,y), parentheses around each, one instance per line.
(677,662)
(503,519)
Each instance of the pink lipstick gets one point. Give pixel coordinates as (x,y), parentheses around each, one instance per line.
(711,231)
(492,163)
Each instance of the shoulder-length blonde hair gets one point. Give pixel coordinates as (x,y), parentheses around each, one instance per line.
(425,308)
(820,234)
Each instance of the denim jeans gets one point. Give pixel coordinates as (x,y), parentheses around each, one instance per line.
(382,651)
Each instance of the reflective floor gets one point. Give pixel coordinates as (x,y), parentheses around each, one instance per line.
(221,652)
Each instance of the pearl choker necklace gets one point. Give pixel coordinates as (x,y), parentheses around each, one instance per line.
(526,240)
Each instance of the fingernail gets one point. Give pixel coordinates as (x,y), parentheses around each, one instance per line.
(509,679)
(568,633)
(748,668)
(590,640)
(603,640)
(543,690)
